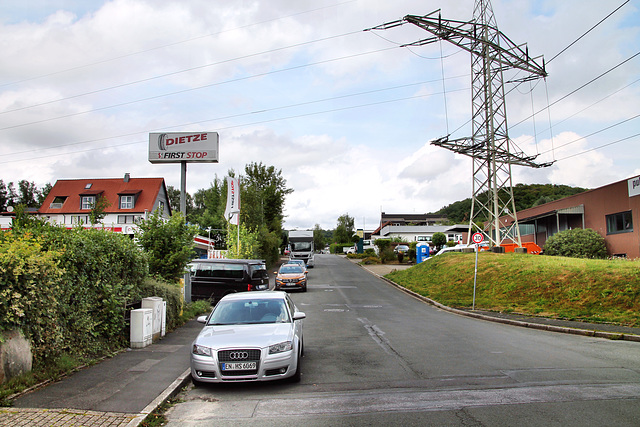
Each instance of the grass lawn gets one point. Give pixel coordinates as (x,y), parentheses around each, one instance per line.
(568,288)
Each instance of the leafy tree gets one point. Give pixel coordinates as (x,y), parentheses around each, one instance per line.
(439,240)
(7,195)
(577,243)
(173,194)
(98,210)
(42,194)
(168,243)
(28,194)
(247,248)
(345,229)
(209,206)
(262,197)
(318,237)
(23,221)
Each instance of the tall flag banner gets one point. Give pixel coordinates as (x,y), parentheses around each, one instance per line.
(232,212)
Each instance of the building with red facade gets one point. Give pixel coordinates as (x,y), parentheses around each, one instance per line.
(613,211)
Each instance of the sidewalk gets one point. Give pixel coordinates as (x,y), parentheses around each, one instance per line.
(601,330)
(120,391)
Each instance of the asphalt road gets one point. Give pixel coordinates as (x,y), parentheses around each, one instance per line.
(376,356)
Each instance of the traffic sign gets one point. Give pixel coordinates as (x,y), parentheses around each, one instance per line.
(477,237)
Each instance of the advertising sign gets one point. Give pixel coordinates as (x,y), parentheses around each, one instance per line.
(191,147)
(634,186)
(232,211)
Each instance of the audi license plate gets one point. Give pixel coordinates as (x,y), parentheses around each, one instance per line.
(239,366)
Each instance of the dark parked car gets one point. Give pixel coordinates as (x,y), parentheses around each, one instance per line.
(214,278)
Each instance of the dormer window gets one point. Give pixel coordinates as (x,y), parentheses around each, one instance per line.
(88,202)
(126,202)
(57,203)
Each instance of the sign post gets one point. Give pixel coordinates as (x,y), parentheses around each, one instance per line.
(477,239)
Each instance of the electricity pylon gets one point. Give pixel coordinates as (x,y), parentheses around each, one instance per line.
(489,146)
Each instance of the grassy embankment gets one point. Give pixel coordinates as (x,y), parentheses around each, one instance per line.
(568,288)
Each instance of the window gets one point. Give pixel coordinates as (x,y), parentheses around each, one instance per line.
(88,202)
(80,219)
(126,202)
(128,219)
(161,206)
(621,222)
(423,238)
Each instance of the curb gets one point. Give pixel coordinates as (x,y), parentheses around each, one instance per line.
(551,328)
(171,391)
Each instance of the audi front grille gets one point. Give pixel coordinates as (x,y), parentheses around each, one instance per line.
(240,355)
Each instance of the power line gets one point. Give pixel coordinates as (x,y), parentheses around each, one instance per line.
(577,89)
(601,146)
(587,32)
(172,44)
(333,110)
(282,70)
(160,76)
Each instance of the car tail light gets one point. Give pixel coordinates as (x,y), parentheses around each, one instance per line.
(249,287)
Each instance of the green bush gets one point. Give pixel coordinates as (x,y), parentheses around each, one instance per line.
(169,292)
(576,243)
(31,292)
(68,289)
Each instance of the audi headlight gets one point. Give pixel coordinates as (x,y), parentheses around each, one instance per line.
(201,350)
(280,347)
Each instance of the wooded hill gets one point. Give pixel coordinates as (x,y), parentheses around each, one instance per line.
(525,195)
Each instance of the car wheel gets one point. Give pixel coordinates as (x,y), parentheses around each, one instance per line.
(196,383)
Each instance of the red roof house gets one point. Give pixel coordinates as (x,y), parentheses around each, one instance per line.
(70,201)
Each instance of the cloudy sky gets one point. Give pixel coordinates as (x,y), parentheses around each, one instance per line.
(347,115)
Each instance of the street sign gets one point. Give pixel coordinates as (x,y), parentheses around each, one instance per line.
(477,237)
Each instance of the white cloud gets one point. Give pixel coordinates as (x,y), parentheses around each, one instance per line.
(107,73)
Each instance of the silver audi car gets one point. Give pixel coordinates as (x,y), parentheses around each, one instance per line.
(249,336)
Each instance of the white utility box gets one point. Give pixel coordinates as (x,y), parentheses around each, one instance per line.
(141,327)
(164,319)
(159,313)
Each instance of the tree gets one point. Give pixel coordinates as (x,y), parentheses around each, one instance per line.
(42,194)
(7,195)
(262,197)
(209,206)
(98,210)
(318,237)
(173,194)
(439,240)
(28,194)
(168,244)
(345,229)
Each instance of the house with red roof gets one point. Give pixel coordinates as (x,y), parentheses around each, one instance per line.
(70,201)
